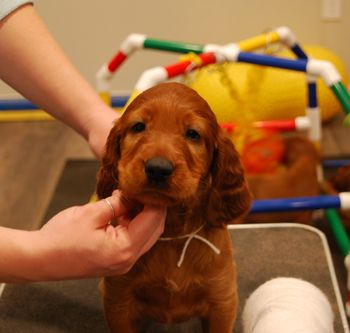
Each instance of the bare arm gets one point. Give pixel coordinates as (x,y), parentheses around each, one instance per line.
(34,64)
(78,243)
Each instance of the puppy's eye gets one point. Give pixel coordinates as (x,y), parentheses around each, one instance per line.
(138,127)
(192,134)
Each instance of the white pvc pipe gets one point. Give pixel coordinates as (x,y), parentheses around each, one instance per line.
(302,123)
(325,69)
(102,79)
(132,43)
(223,53)
(229,52)
(315,124)
(287,36)
(344,198)
(150,78)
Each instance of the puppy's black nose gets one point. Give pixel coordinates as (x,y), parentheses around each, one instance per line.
(158,169)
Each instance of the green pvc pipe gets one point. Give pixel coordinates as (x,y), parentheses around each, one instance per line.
(179,47)
(338,230)
(347,120)
(344,99)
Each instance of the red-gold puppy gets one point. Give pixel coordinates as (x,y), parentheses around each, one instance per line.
(168,149)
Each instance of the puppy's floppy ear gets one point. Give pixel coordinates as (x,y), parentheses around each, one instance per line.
(229,198)
(107,177)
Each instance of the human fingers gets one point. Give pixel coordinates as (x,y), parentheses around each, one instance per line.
(152,239)
(106,210)
(146,227)
(132,207)
(115,208)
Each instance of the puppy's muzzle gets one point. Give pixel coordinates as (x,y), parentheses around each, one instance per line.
(158,170)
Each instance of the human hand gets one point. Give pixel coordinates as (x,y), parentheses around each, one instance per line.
(79,241)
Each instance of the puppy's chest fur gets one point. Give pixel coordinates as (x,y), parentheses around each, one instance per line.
(166,293)
(170,293)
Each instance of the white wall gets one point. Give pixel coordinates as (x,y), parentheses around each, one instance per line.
(91,31)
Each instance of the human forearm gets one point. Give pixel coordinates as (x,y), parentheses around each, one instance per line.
(29,256)
(79,242)
(34,64)
(17,251)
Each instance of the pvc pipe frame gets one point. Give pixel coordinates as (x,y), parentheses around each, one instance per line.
(318,68)
(339,231)
(135,42)
(24,105)
(24,115)
(341,201)
(296,124)
(13,110)
(229,52)
(327,72)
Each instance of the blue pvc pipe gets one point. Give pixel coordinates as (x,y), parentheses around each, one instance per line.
(119,101)
(312,95)
(295,204)
(299,52)
(265,60)
(335,163)
(23,104)
(16,104)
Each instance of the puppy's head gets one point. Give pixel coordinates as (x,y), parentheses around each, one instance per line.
(167,149)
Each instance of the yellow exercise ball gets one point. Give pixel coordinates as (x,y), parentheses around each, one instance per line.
(244,92)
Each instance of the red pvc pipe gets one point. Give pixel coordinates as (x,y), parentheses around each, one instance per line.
(280,125)
(228,127)
(181,67)
(116,61)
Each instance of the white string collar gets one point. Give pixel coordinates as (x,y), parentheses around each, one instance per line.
(189,237)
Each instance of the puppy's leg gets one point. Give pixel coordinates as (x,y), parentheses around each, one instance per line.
(122,321)
(120,307)
(220,322)
(223,302)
